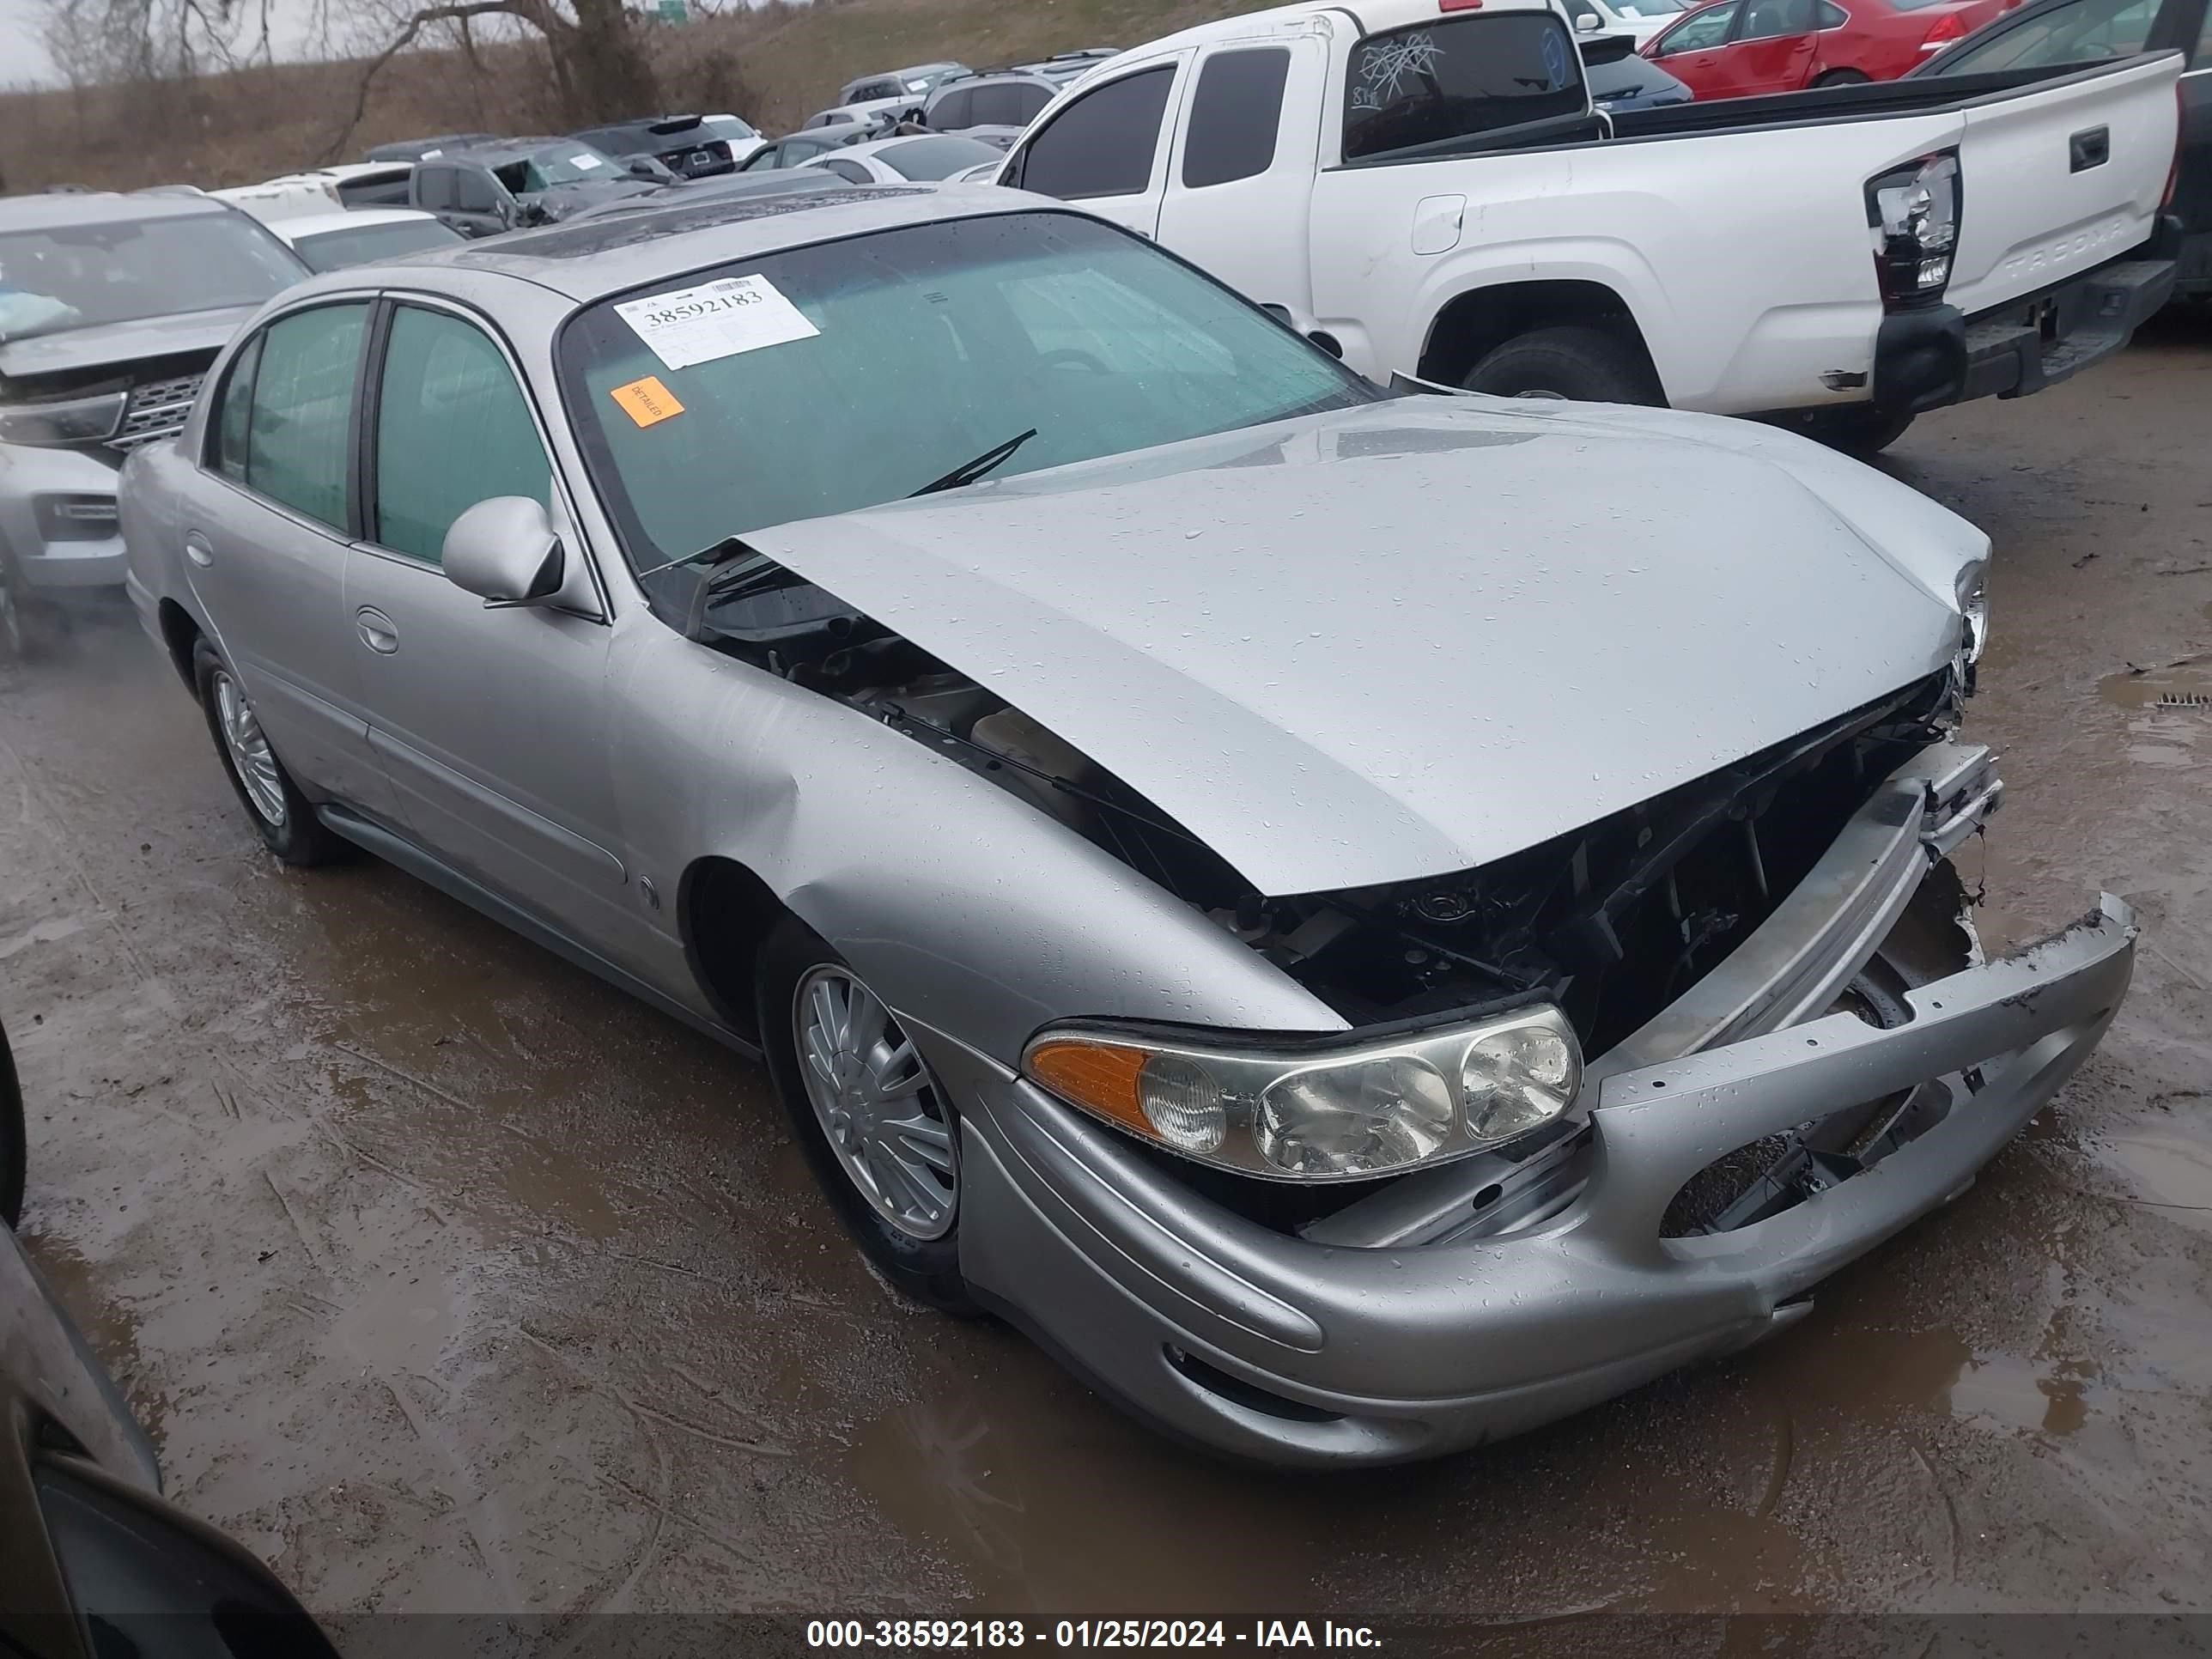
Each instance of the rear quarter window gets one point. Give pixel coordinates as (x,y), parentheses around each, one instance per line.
(1437,83)
(1235,115)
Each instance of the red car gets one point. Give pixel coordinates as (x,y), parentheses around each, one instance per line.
(1741,48)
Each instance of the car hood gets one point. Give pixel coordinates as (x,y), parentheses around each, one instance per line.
(561,202)
(77,349)
(1415,636)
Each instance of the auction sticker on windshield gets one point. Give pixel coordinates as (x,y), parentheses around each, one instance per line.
(716,319)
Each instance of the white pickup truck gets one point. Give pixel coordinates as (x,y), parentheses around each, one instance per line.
(1423,186)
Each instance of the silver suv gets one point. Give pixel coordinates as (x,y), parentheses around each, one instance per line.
(112,307)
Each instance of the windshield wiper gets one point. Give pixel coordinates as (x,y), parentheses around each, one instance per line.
(969,471)
(720,552)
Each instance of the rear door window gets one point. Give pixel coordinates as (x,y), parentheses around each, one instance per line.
(1235,114)
(1102,144)
(1437,83)
(434,187)
(300,427)
(950,113)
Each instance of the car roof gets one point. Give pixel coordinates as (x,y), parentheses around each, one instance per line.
(314,224)
(1370,17)
(502,149)
(101,207)
(590,257)
(877,146)
(1029,77)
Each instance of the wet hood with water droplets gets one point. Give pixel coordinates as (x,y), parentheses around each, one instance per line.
(1412,637)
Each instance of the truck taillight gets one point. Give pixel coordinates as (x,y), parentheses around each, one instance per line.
(1952,26)
(1458,5)
(1912,220)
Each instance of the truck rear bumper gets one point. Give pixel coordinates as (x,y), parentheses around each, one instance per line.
(1928,358)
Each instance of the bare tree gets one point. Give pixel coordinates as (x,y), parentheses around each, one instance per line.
(594,56)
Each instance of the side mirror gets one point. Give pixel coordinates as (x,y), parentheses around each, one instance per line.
(504,550)
(1588,22)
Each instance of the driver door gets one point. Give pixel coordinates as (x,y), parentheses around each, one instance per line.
(490,724)
(1107,148)
(1695,51)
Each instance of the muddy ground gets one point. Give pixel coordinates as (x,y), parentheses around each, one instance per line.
(448,1280)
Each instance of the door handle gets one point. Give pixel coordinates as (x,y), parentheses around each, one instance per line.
(377,632)
(198,550)
(2091,147)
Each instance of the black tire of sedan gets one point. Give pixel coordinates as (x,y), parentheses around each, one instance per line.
(1842,78)
(1586,365)
(283,818)
(14,1141)
(910,1160)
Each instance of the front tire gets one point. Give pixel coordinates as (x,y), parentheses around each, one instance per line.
(283,818)
(882,1140)
(1842,78)
(1586,365)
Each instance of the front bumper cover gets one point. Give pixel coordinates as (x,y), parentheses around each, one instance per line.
(1300,1351)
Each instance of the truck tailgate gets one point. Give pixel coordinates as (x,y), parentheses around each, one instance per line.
(2057,179)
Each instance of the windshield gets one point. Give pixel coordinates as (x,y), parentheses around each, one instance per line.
(81,276)
(333,250)
(563,164)
(903,354)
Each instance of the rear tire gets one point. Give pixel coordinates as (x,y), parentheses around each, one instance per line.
(920,1254)
(283,818)
(1585,365)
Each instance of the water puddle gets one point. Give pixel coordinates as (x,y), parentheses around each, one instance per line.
(2170,1166)
(2169,712)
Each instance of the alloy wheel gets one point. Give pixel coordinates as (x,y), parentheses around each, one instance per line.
(250,753)
(889,1131)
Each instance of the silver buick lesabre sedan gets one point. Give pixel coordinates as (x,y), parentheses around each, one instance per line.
(1364,921)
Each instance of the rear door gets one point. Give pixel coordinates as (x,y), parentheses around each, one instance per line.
(1108,148)
(1240,176)
(1773,48)
(2192,197)
(2059,179)
(264,538)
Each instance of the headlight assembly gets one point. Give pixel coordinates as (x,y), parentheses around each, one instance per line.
(1307,1113)
(79,421)
(1974,606)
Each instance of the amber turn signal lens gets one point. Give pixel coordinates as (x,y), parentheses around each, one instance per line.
(1099,1075)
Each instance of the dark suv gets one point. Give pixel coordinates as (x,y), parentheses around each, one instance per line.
(518,181)
(681,143)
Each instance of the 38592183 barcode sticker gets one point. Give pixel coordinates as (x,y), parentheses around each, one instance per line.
(715,319)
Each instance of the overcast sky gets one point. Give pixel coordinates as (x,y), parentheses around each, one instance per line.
(22,59)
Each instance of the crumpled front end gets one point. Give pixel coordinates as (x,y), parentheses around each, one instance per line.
(1846,1069)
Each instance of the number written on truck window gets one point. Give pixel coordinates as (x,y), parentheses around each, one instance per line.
(1430,85)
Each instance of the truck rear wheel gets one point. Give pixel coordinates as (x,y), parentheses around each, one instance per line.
(1587,365)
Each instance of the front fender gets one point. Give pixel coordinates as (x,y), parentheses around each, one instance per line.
(966,909)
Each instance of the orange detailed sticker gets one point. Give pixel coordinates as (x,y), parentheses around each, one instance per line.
(647,401)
